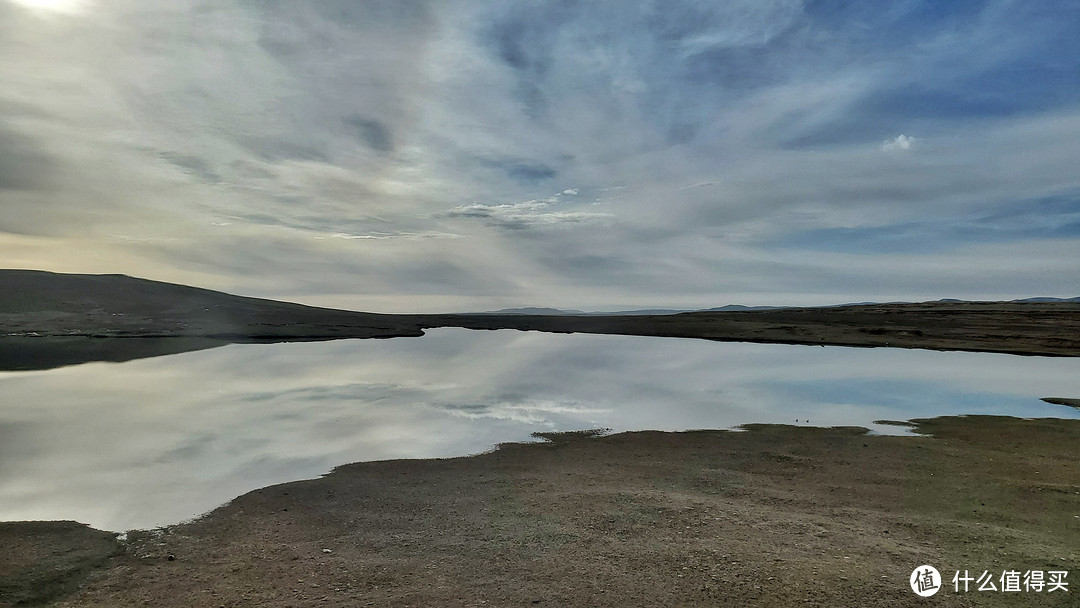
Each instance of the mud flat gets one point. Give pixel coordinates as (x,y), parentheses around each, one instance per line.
(774,516)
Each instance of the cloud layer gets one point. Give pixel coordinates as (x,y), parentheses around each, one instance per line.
(410,155)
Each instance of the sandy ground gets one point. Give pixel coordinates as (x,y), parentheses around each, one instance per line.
(775,516)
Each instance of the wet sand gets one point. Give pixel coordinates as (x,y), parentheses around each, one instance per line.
(775,516)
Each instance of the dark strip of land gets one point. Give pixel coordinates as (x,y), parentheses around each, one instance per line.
(45,318)
(1063,401)
(1048,329)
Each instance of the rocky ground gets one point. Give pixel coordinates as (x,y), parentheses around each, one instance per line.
(775,516)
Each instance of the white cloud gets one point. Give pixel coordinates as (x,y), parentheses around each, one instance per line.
(381,236)
(286,148)
(57,6)
(739,23)
(901,142)
(526,214)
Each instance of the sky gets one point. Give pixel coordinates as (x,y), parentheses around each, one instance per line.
(456,155)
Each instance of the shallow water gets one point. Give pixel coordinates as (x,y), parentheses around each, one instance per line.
(155,441)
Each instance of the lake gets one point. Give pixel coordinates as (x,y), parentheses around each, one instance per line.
(156,441)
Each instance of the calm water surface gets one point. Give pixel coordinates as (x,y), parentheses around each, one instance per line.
(156,441)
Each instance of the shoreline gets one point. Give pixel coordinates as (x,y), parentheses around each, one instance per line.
(65,319)
(29,342)
(775,515)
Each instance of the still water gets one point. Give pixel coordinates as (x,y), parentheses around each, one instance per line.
(157,441)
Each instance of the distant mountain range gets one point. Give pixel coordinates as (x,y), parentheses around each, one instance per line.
(544,311)
(619,313)
(1049,300)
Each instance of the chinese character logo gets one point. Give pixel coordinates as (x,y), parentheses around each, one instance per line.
(925,580)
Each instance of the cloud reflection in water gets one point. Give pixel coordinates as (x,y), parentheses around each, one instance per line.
(155,441)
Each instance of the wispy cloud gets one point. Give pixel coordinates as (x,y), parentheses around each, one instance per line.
(380,236)
(556,209)
(580,153)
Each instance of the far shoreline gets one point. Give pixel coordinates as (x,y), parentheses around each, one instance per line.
(57,319)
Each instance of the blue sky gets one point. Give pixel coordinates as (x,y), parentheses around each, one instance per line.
(461,155)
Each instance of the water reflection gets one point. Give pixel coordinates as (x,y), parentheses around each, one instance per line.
(39,353)
(154,441)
